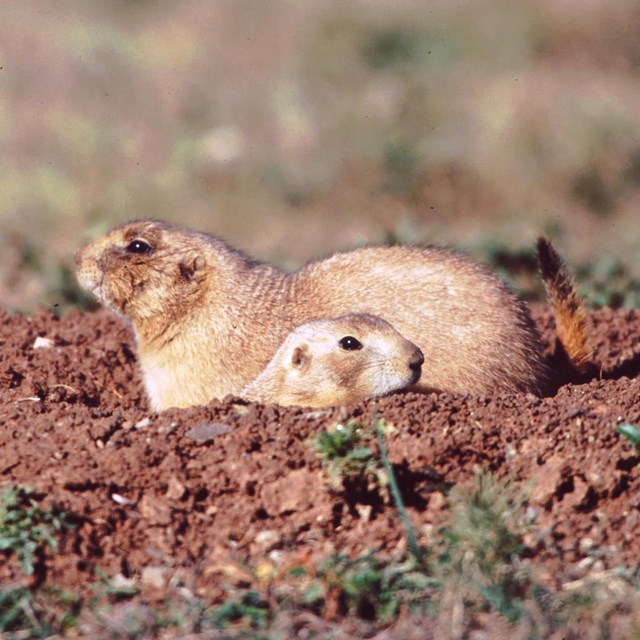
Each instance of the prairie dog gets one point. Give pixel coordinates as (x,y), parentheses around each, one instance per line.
(208,320)
(333,361)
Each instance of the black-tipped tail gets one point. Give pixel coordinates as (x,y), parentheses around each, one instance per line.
(567,306)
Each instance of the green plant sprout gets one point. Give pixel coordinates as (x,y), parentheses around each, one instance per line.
(346,455)
(630,432)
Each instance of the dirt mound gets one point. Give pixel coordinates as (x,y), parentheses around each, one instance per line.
(156,495)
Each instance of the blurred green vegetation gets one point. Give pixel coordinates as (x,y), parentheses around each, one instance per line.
(474,576)
(327,123)
(26,529)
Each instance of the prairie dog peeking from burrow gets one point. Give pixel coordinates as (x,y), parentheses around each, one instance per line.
(333,361)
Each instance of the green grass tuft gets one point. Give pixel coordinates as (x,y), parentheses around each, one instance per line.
(37,614)
(26,530)
(480,565)
(250,609)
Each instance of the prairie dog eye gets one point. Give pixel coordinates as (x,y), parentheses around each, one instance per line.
(349,343)
(139,246)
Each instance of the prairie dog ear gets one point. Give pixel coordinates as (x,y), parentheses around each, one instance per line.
(301,357)
(191,266)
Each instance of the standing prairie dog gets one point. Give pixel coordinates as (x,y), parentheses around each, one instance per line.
(208,320)
(333,361)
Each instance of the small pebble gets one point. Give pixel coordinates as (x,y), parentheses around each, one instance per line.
(206,432)
(43,343)
(116,497)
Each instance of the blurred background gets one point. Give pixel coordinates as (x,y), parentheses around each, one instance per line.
(294,129)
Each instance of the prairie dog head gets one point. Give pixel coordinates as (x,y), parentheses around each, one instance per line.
(148,271)
(337,360)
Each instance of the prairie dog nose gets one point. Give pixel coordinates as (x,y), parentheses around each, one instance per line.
(416,361)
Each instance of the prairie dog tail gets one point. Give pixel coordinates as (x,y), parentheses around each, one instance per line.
(567,306)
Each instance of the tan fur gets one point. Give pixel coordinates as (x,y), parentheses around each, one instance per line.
(568,307)
(311,367)
(208,320)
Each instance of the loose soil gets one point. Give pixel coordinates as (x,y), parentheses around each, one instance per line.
(180,496)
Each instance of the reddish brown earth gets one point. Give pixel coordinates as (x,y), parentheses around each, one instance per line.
(147,492)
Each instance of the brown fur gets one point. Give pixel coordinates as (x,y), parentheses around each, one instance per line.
(208,320)
(568,307)
(312,368)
